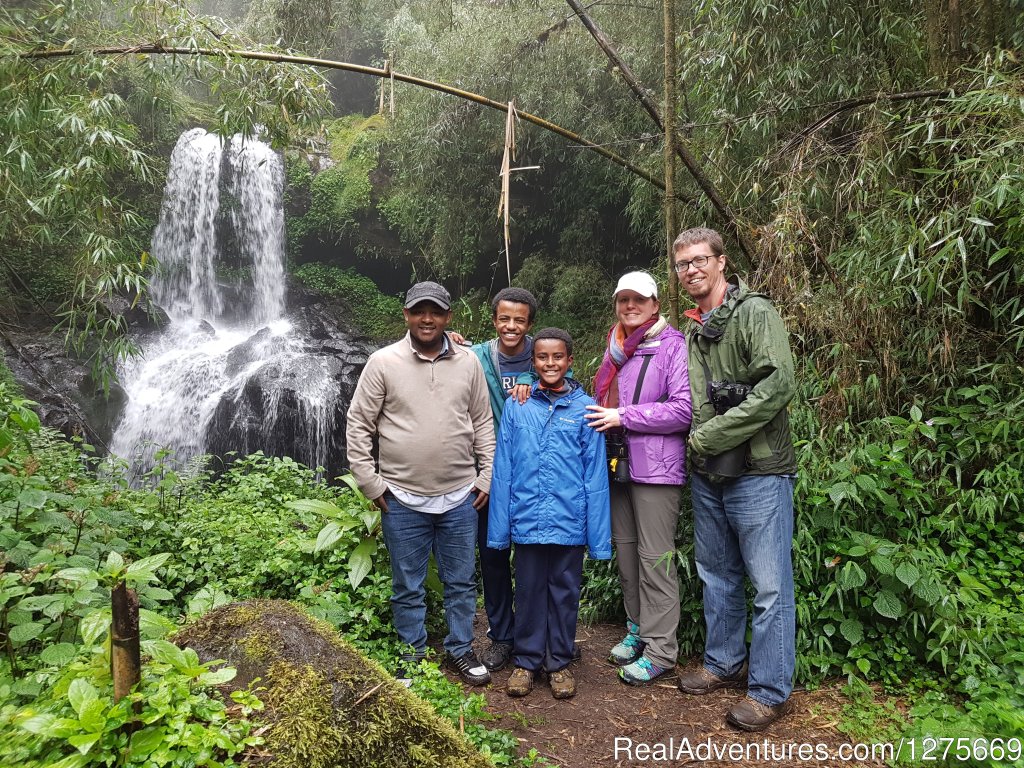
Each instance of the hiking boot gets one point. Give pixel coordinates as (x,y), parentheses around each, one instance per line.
(697,682)
(408,665)
(577,652)
(520,682)
(563,684)
(630,648)
(469,668)
(642,672)
(752,715)
(496,656)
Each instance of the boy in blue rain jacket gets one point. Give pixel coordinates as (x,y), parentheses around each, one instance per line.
(549,495)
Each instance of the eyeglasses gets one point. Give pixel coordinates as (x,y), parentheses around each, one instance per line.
(697,261)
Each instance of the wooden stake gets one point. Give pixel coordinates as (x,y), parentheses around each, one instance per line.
(125,656)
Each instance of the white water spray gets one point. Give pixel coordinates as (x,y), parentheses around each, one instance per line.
(220,249)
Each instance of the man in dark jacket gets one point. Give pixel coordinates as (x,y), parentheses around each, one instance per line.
(743,467)
(504,359)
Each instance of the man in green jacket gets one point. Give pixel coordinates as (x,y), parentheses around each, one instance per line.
(743,467)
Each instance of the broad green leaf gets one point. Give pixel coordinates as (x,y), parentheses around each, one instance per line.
(317,506)
(76,760)
(851,576)
(167,653)
(38,724)
(915,413)
(81,693)
(152,625)
(329,535)
(95,625)
(866,483)
(218,677)
(360,562)
(864,666)
(972,583)
(76,575)
(32,498)
(888,605)
(883,565)
(928,591)
(92,717)
(908,573)
(145,741)
(852,631)
(856,551)
(157,593)
(350,480)
(114,562)
(59,654)
(146,565)
(370,518)
(83,741)
(22,633)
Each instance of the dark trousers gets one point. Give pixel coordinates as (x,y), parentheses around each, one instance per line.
(496,570)
(548,580)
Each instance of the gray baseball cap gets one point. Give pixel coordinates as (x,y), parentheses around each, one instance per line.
(428,291)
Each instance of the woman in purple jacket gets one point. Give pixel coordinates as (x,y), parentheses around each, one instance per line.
(643,394)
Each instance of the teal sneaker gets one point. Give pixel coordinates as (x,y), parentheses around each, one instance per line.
(643,672)
(630,648)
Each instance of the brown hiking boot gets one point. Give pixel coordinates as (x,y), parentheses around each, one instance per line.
(520,682)
(752,715)
(563,684)
(697,682)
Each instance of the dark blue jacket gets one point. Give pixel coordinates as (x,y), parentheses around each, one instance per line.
(550,482)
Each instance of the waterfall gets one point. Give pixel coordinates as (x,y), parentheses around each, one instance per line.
(229,371)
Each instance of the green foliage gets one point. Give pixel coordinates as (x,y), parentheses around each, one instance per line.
(377,315)
(338,197)
(75,721)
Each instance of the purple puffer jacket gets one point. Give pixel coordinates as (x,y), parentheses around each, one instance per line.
(656,431)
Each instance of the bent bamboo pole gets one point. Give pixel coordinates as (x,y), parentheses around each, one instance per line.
(283,58)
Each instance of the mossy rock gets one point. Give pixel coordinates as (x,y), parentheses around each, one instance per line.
(327,705)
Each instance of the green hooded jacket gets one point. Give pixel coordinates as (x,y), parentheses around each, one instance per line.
(744,341)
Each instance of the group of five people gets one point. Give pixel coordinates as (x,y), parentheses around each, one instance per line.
(575,473)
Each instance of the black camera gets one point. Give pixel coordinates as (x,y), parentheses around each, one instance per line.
(618,455)
(727,394)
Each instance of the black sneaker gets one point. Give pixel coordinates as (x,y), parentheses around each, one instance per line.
(408,665)
(496,656)
(468,668)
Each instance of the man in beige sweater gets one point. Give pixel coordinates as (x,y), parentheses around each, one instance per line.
(425,399)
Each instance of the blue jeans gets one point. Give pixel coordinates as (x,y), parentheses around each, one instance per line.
(410,536)
(745,526)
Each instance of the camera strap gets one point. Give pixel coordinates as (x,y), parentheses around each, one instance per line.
(640,381)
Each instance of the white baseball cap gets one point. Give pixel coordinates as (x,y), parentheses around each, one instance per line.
(640,282)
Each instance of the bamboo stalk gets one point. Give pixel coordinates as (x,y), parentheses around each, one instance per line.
(151,49)
(682,151)
(671,225)
(125,656)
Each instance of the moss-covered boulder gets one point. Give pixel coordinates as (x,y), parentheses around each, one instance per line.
(327,705)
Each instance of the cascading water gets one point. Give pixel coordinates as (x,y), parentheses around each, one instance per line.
(228,372)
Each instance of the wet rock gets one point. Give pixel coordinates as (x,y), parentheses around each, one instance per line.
(70,400)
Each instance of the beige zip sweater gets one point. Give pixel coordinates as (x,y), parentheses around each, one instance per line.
(433,420)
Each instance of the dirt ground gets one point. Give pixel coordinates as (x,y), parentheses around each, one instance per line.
(610,724)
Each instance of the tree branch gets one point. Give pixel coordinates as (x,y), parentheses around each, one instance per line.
(680,147)
(862,101)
